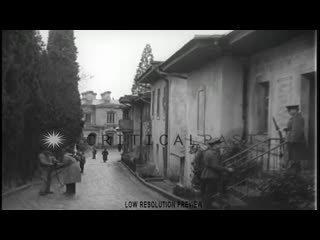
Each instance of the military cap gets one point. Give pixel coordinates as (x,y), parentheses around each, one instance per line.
(292,107)
(214,141)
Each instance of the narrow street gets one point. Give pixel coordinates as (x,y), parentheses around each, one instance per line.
(104,186)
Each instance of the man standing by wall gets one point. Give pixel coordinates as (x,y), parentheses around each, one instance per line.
(212,172)
(295,138)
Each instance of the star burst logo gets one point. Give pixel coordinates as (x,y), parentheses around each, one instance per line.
(53,139)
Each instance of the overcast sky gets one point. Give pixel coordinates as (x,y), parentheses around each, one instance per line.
(112,56)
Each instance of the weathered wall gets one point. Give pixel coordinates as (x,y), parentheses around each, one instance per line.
(101,116)
(147,150)
(232,97)
(177,126)
(158,125)
(209,78)
(222,80)
(136,130)
(91,110)
(282,67)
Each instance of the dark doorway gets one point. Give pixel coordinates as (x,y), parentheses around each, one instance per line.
(263,107)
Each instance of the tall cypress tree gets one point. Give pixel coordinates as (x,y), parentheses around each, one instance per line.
(64,107)
(21,51)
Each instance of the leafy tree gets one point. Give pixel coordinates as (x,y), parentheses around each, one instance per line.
(145,63)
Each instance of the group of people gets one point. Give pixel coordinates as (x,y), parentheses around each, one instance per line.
(105,154)
(213,171)
(67,165)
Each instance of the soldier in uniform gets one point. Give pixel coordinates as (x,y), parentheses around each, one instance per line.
(295,138)
(47,164)
(212,172)
(105,154)
(94,152)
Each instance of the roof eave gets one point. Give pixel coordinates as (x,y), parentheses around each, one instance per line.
(189,48)
(150,75)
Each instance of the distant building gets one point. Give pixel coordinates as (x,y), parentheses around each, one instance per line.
(101,117)
(136,128)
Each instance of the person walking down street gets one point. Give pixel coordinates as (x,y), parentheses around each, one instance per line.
(94,152)
(119,147)
(105,154)
(71,174)
(79,156)
(295,138)
(47,165)
(82,161)
(212,172)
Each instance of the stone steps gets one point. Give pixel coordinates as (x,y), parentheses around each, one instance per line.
(244,191)
(229,202)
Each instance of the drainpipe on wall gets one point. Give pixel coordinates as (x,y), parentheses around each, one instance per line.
(245,99)
(141,132)
(167,122)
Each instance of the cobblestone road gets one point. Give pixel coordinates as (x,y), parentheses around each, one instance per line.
(104,186)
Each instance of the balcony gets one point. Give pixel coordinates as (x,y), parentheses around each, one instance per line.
(125,125)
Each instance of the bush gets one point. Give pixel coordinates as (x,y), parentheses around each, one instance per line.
(184,192)
(289,190)
(148,171)
(197,167)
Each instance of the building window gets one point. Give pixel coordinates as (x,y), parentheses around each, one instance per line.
(201,112)
(263,107)
(152,104)
(158,102)
(146,111)
(126,114)
(88,117)
(110,117)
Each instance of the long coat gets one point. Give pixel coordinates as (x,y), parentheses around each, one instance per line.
(295,128)
(71,172)
(105,155)
(212,168)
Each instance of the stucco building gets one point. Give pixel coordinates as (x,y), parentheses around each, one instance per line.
(230,85)
(136,128)
(101,117)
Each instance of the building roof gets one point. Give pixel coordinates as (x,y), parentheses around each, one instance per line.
(151,74)
(102,103)
(246,42)
(194,53)
(203,48)
(127,99)
(132,99)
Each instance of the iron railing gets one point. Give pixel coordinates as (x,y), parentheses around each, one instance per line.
(258,161)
